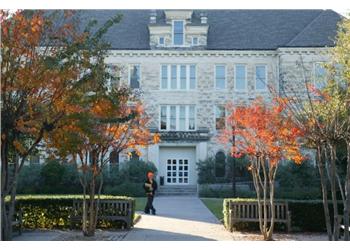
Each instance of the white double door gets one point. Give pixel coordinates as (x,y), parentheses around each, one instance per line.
(177,171)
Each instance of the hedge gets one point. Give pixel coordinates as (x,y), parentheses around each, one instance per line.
(307,215)
(53,211)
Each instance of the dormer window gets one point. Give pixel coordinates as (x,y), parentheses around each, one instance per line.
(194,41)
(178,32)
(161,41)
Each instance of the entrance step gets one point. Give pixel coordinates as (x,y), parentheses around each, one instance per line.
(178,190)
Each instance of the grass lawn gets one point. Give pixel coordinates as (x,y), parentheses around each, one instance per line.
(215,206)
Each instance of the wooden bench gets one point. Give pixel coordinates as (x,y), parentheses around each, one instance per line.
(110,210)
(17,221)
(248,212)
(342,224)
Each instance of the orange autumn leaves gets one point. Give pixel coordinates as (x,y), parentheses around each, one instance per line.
(264,131)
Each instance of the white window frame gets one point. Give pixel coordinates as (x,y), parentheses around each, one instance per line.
(172,33)
(314,74)
(225,114)
(129,74)
(266,77)
(187,117)
(246,78)
(225,83)
(178,79)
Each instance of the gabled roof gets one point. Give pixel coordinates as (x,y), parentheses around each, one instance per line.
(230,29)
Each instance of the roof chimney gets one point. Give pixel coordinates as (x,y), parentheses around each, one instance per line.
(153,16)
(204,18)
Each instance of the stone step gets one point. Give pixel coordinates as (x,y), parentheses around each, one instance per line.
(177,194)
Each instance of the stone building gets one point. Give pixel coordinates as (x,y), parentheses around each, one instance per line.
(188,64)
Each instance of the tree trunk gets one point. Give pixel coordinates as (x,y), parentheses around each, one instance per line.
(323,180)
(334,193)
(347,194)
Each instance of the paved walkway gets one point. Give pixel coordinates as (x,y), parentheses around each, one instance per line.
(179,218)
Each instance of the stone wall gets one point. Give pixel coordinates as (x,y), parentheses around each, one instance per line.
(283,67)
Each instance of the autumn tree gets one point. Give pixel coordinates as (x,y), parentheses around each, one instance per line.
(265,134)
(43,54)
(323,115)
(100,122)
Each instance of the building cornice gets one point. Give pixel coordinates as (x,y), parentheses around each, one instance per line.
(218,53)
(192,53)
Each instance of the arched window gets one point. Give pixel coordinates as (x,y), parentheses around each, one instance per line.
(114,158)
(220,162)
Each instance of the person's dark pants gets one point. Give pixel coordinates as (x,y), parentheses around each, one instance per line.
(149,205)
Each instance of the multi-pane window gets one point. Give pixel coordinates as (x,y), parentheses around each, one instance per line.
(177,117)
(320,76)
(240,77)
(178,76)
(260,77)
(219,117)
(220,76)
(134,76)
(178,32)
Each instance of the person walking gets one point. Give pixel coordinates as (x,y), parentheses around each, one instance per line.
(150,187)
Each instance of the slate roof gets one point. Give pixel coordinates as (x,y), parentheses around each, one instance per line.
(230,29)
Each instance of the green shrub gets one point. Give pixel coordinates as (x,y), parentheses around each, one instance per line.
(208,173)
(50,178)
(306,215)
(29,179)
(127,179)
(126,188)
(53,211)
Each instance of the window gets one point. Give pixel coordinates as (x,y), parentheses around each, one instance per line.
(163,118)
(113,78)
(161,40)
(220,76)
(114,158)
(240,77)
(219,117)
(173,77)
(178,32)
(172,117)
(192,77)
(177,117)
(260,77)
(320,76)
(134,76)
(182,118)
(192,118)
(183,77)
(194,41)
(164,73)
(220,162)
(178,77)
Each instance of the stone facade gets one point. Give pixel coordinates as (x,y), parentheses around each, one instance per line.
(283,67)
